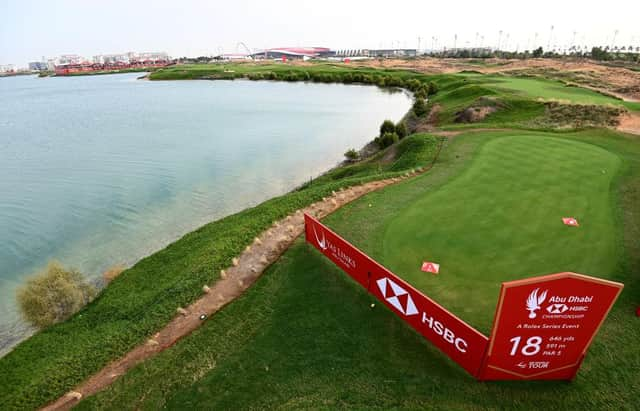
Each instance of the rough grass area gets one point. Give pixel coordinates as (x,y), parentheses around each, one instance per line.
(577,116)
(144,298)
(306,337)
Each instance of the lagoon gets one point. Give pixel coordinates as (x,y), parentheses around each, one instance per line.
(103,170)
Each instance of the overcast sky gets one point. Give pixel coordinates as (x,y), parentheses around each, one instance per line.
(32,29)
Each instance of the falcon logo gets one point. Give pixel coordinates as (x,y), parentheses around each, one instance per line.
(322,243)
(397,296)
(557,308)
(534,300)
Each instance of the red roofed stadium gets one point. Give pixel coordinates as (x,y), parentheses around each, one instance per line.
(294,53)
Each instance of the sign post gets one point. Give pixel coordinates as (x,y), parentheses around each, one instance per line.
(544,325)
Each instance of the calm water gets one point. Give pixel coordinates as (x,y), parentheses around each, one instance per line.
(97,171)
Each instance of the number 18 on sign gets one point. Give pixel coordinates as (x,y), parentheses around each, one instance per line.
(544,326)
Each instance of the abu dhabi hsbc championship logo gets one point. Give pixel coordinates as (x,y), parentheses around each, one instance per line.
(534,301)
(397,296)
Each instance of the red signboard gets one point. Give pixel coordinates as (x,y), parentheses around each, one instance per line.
(543,326)
(461,342)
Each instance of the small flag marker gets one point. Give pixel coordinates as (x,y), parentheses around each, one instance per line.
(429,267)
(570,221)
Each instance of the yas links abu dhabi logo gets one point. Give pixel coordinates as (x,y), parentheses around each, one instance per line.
(321,242)
(397,296)
(534,301)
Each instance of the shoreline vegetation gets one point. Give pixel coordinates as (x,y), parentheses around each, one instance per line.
(143,298)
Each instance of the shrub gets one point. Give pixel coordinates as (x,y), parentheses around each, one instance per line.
(351,154)
(386,140)
(387,127)
(421,92)
(255,76)
(433,88)
(538,52)
(419,107)
(53,295)
(401,130)
(413,84)
(112,273)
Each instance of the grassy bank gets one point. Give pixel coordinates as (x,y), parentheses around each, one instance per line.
(145,297)
(305,337)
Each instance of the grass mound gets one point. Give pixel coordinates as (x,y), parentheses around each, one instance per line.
(413,151)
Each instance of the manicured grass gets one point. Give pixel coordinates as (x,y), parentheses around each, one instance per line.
(304,336)
(144,298)
(554,90)
(501,220)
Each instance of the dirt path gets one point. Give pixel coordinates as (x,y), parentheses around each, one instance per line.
(246,269)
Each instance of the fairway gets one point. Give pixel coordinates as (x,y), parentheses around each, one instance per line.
(551,90)
(501,220)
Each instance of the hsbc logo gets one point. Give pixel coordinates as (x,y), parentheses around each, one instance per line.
(557,308)
(397,296)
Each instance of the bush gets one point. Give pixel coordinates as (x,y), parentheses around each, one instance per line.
(53,295)
(433,88)
(421,92)
(413,84)
(401,130)
(538,52)
(419,107)
(351,154)
(387,127)
(386,140)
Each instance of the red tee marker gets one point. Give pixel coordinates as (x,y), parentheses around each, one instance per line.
(429,267)
(570,221)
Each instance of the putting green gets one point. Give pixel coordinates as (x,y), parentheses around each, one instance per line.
(501,220)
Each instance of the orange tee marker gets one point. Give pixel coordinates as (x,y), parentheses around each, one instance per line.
(570,221)
(429,267)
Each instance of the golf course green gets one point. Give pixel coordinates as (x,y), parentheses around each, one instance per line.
(501,220)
